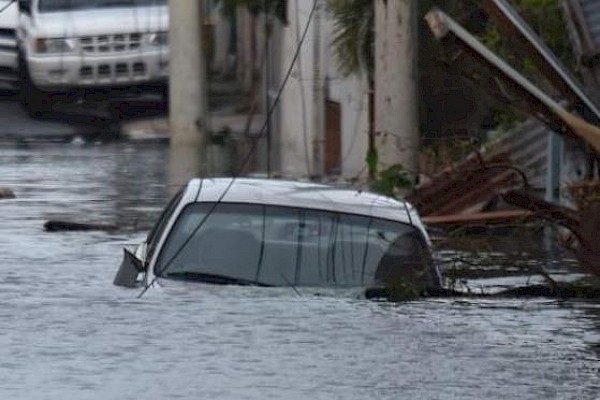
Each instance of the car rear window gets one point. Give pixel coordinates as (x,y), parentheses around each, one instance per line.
(285,246)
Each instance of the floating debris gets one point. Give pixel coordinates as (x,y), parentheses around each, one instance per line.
(6,193)
(56,226)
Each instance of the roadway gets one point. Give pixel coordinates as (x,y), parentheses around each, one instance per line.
(17,125)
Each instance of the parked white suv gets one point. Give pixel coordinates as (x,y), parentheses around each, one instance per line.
(8,45)
(74,48)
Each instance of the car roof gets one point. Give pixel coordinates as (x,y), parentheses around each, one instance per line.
(301,194)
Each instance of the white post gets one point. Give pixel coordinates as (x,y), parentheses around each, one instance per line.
(318,167)
(187,110)
(396,84)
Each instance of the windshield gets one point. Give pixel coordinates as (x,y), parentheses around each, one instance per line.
(281,246)
(65,5)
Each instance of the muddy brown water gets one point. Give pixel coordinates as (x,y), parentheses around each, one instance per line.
(67,332)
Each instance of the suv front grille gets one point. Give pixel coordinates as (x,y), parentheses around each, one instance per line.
(117,43)
(137,70)
(8,33)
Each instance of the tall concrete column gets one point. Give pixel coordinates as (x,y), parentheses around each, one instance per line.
(396,84)
(188,104)
(318,95)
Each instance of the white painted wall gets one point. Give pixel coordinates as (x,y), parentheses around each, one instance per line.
(299,123)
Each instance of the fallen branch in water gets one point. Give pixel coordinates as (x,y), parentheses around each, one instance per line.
(6,193)
(560,291)
(583,224)
(57,226)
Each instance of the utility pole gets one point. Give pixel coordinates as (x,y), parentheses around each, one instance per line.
(318,97)
(187,83)
(268,72)
(187,90)
(396,84)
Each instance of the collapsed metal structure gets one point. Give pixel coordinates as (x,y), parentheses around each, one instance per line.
(467,193)
(461,44)
(473,183)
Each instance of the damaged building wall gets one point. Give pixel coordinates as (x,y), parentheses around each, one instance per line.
(326,126)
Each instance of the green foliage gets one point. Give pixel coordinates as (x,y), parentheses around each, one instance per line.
(506,119)
(354,35)
(545,17)
(371,161)
(391,180)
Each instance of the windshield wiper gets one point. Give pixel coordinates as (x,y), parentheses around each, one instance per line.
(214,279)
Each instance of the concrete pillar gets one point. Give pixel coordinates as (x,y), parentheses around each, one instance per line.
(396,84)
(318,93)
(188,104)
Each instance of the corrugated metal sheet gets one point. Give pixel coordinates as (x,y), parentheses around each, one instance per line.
(466,187)
(475,182)
(527,147)
(591,13)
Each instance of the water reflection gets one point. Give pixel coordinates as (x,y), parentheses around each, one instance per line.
(67,332)
(185,162)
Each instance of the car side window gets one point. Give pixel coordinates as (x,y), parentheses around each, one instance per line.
(156,232)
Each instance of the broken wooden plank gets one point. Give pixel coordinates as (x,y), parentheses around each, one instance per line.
(480,218)
(564,216)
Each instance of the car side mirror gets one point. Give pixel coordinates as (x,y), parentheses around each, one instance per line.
(128,272)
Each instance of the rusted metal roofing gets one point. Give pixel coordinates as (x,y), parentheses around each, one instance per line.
(475,182)
(527,146)
(481,218)
(466,187)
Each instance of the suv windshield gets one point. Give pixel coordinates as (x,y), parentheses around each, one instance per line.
(64,5)
(284,246)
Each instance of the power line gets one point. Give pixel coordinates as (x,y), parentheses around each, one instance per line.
(270,112)
(10,3)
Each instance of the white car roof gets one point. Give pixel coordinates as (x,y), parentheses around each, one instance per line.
(301,194)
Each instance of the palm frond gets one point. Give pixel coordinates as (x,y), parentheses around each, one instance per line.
(353,36)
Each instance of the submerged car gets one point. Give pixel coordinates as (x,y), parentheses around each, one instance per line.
(282,233)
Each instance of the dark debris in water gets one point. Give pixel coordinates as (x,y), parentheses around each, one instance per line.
(6,193)
(56,226)
(561,291)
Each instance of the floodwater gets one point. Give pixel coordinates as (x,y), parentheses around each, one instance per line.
(67,333)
